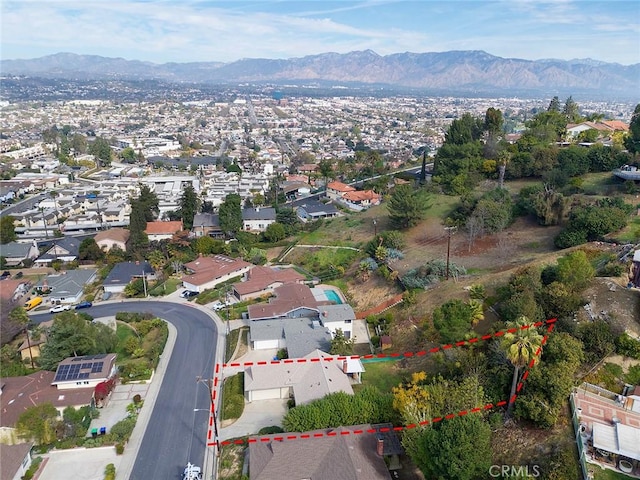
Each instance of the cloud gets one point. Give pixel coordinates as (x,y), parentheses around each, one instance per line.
(194,30)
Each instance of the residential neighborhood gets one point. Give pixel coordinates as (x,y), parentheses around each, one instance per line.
(323,286)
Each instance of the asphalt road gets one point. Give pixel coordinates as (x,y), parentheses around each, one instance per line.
(177,429)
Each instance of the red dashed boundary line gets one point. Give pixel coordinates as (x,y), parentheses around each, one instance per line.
(304,436)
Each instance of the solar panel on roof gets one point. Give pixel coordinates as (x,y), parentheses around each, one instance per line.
(97,367)
(82,376)
(86,365)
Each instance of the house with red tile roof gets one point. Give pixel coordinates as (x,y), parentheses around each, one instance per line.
(261,281)
(352,198)
(335,190)
(292,300)
(207,272)
(163,230)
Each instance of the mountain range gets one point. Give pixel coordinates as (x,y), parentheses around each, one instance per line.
(455,71)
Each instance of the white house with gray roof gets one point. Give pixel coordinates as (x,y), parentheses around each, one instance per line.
(335,317)
(319,376)
(67,287)
(258,219)
(15,253)
(300,336)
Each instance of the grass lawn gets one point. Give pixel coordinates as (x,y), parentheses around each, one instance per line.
(631,233)
(232,341)
(233,397)
(381,375)
(607,474)
(170,285)
(123,332)
(601,183)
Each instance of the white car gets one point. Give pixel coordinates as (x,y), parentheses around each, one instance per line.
(218,305)
(59,308)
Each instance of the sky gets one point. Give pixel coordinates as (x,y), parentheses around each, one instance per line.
(162,31)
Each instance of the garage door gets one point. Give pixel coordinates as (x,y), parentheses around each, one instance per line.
(264,394)
(265,344)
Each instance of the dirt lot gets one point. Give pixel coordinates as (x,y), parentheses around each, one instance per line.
(608,298)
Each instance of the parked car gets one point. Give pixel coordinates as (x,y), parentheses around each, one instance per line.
(84,304)
(59,308)
(5,274)
(188,294)
(218,305)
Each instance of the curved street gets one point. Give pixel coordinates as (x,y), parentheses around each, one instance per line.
(176,431)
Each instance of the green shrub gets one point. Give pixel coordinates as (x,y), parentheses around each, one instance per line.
(119,448)
(33,468)
(627,346)
(270,430)
(110,471)
(122,430)
(633,376)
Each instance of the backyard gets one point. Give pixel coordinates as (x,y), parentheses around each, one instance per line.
(382,375)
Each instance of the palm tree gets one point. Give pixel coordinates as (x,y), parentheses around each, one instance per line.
(504,157)
(521,347)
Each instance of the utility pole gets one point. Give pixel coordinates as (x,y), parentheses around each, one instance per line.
(44,221)
(144,283)
(209,383)
(450,231)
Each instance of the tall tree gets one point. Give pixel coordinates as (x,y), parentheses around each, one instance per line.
(149,202)
(230,214)
(554,105)
(89,250)
(7,229)
(493,121)
(423,169)
(19,317)
(101,150)
(325,167)
(459,448)
(521,347)
(504,157)
(137,226)
(571,110)
(407,206)
(632,141)
(189,204)
(72,335)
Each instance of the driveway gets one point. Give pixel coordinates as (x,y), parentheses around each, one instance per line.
(258,414)
(79,463)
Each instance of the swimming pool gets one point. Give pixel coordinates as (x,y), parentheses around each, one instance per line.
(333,297)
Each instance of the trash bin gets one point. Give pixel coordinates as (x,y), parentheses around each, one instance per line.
(94,432)
(103,430)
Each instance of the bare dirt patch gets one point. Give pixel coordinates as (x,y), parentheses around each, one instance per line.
(608,298)
(521,243)
(368,294)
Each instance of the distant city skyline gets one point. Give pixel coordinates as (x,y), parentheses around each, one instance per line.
(163,31)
